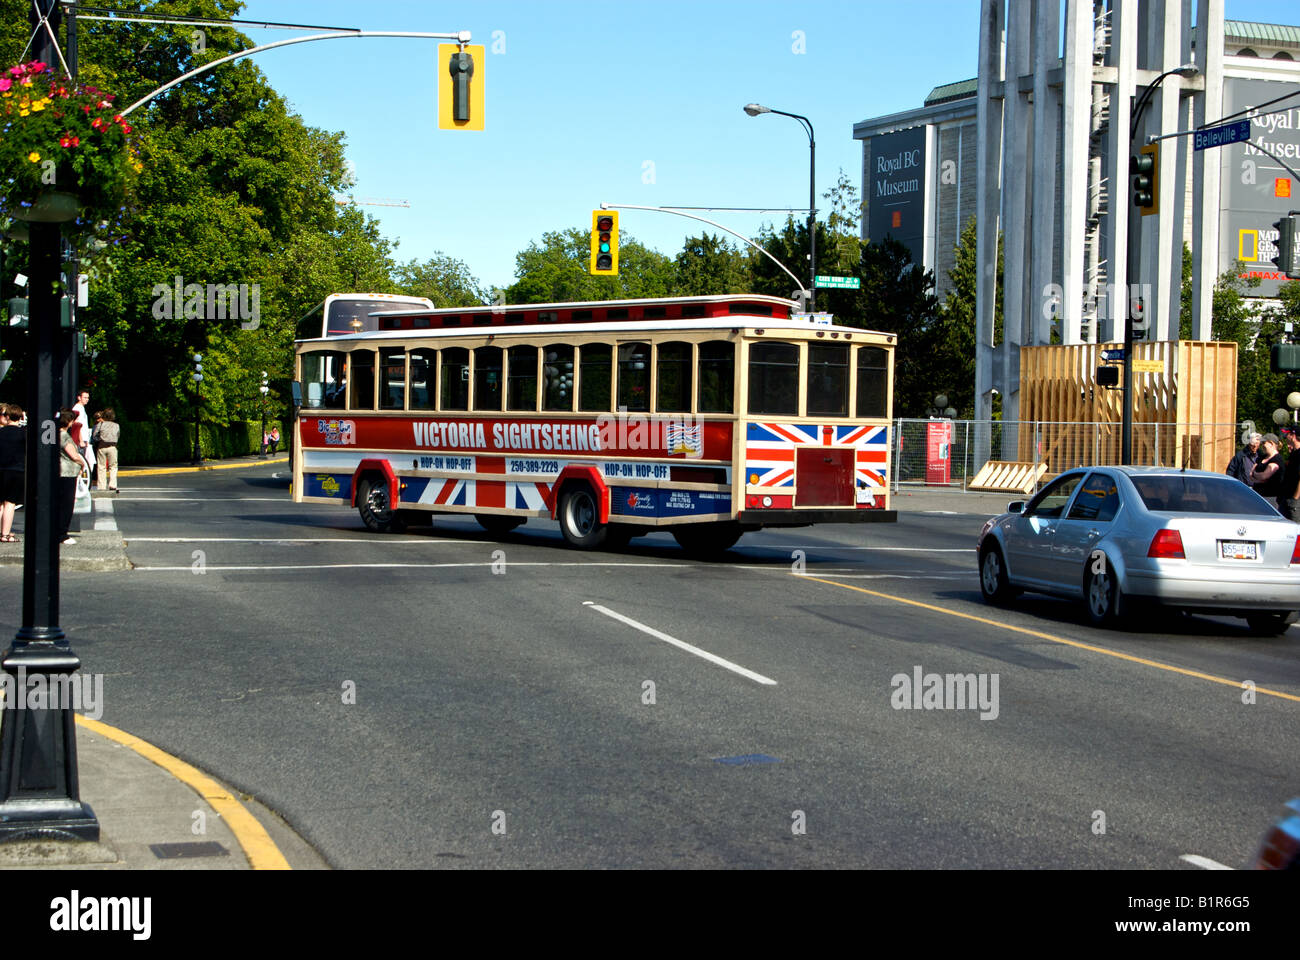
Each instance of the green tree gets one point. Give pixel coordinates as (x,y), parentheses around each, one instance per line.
(557,270)
(235,190)
(709,265)
(444,280)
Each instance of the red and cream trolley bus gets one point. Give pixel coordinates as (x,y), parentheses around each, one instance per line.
(705,416)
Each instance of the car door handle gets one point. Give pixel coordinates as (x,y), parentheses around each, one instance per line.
(1094,533)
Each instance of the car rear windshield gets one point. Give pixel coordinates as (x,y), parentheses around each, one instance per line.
(1179,494)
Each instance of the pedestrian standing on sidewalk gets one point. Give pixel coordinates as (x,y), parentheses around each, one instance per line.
(1288,498)
(1267,474)
(107,433)
(275,438)
(1243,462)
(81,437)
(13,452)
(71,463)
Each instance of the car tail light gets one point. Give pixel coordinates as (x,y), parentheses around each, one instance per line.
(1167,545)
(1295,554)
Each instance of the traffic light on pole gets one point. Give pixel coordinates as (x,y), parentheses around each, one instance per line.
(1139,319)
(460,86)
(604,243)
(1288,245)
(1145,168)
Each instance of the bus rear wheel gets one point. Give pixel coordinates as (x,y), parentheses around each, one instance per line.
(707,539)
(496,524)
(579,516)
(375,506)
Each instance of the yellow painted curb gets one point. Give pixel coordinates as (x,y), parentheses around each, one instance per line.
(1055,639)
(257,844)
(219,466)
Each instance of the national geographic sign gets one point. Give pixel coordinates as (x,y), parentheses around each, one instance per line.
(1256,189)
(896,206)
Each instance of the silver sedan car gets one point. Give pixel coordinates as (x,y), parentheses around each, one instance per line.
(1118,537)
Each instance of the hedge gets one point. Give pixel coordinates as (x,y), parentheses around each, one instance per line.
(146,443)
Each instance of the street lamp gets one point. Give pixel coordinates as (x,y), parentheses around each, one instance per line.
(754,109)
(1135,305)
(197,377)
(263,389)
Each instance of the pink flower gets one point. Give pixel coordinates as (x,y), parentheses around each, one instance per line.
(5,84)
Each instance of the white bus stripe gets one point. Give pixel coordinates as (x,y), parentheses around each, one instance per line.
(680,644)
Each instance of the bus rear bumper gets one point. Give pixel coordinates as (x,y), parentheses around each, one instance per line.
(803,518)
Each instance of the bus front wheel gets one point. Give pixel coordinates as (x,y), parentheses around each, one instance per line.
(579,517)
(375,507)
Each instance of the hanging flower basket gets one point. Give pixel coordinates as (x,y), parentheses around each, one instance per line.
(65,153)
(54,207)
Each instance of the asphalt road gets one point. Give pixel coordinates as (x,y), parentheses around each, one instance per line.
(447,699)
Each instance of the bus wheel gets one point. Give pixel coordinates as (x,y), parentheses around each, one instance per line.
(496,524)
(579,517)
(373,504)
(707,539)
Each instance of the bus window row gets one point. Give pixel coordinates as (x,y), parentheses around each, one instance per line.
(598,378)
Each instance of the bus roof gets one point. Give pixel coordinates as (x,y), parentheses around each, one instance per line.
(623,327)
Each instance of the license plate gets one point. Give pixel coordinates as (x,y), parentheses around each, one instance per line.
(1236,550)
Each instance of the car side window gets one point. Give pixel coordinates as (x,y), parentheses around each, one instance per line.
(1052,500)
(1098,500)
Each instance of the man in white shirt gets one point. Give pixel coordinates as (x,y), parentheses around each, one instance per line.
(79,408)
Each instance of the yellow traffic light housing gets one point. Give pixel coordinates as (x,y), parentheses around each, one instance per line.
(460,86)
(604,243)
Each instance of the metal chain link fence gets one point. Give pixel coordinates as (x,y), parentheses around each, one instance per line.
(951,452)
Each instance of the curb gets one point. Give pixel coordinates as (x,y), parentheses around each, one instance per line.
(258,847)
(160,471)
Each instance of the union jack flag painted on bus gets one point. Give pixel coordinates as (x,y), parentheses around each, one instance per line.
(770,450)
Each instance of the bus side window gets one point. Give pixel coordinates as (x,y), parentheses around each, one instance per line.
(521,393)
(717,376)
(873,382)
(487,378)
(595,360)
(673,387)
(455,379)
(774,378)
(392,379)
(322,373)
(557,390)
(424,371)
(634,376)
(361,385)
(828,379)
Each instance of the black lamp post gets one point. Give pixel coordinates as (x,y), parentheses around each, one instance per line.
(1136,305)
(754,109)
(39,790)
(197,376)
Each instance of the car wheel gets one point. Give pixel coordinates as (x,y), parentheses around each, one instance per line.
(375,508)
(579,516)
(1269,623)
(1101,594)
(496,524)
(993,577)
(707,539)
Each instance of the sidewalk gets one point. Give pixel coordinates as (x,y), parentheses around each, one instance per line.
(99,546)
(157,812)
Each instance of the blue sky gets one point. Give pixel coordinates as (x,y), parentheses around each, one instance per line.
(617,101)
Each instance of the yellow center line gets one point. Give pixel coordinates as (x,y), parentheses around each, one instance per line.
(258,846)
(1055,639)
